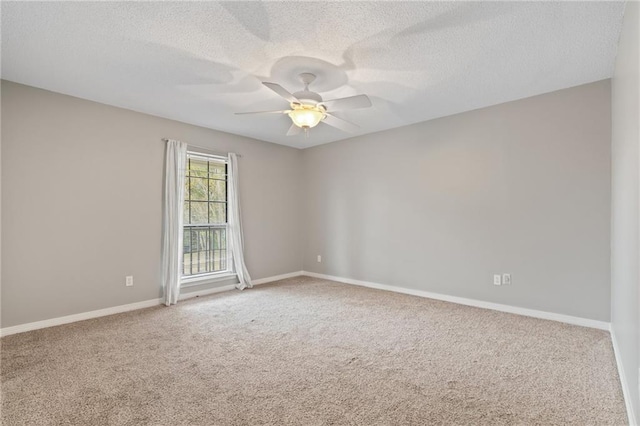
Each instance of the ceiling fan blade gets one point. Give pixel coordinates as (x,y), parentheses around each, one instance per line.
(339,123)
(352,102)
(294,130)
(284,111)
(281,91)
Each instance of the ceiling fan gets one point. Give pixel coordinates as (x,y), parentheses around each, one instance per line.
(307,108)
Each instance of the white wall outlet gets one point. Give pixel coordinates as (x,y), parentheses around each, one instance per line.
(496,280)
(319,259)
(506,279)
(129,281)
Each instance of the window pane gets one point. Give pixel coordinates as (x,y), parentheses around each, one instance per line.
(186,241)
(198,167)
(186,264)
(199,212)
(199,189)
(217,171)
(223,240)
(217,190)
(204,250)
(218,212)
(218,237)
(185,212)
(186,188)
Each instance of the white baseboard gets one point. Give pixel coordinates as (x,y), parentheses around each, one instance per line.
(585,322)
(454,299)
(129,307)
(623,380)
(78,317)
(277,277)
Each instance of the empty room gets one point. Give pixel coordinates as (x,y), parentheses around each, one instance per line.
(320,213)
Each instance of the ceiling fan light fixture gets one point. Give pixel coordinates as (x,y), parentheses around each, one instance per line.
(306,116)
(308,109)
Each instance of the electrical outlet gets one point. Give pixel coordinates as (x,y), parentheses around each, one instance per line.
(496,280)
(319,259)
(129,281)
(506,279)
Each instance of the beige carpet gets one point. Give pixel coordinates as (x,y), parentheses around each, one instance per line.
(311,352)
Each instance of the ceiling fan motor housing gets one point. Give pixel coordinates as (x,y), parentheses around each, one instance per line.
(307,97)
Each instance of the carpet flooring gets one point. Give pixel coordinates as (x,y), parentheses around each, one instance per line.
(306,351)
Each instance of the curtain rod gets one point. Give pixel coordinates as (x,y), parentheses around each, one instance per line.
(206,149)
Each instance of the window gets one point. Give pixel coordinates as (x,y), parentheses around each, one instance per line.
(205,216)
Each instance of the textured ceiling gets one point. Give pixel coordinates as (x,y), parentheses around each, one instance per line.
(201,62)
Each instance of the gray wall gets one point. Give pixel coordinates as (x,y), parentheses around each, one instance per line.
(440,206)
(82,203)
(625,208)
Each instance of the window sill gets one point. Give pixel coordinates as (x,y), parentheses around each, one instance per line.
(206,279)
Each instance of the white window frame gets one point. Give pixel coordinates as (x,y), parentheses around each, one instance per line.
(209,277)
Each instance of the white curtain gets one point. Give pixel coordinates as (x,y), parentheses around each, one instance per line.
(235,238)
(175,168)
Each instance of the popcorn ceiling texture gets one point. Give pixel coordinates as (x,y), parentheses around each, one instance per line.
(311,352)
(201,62)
